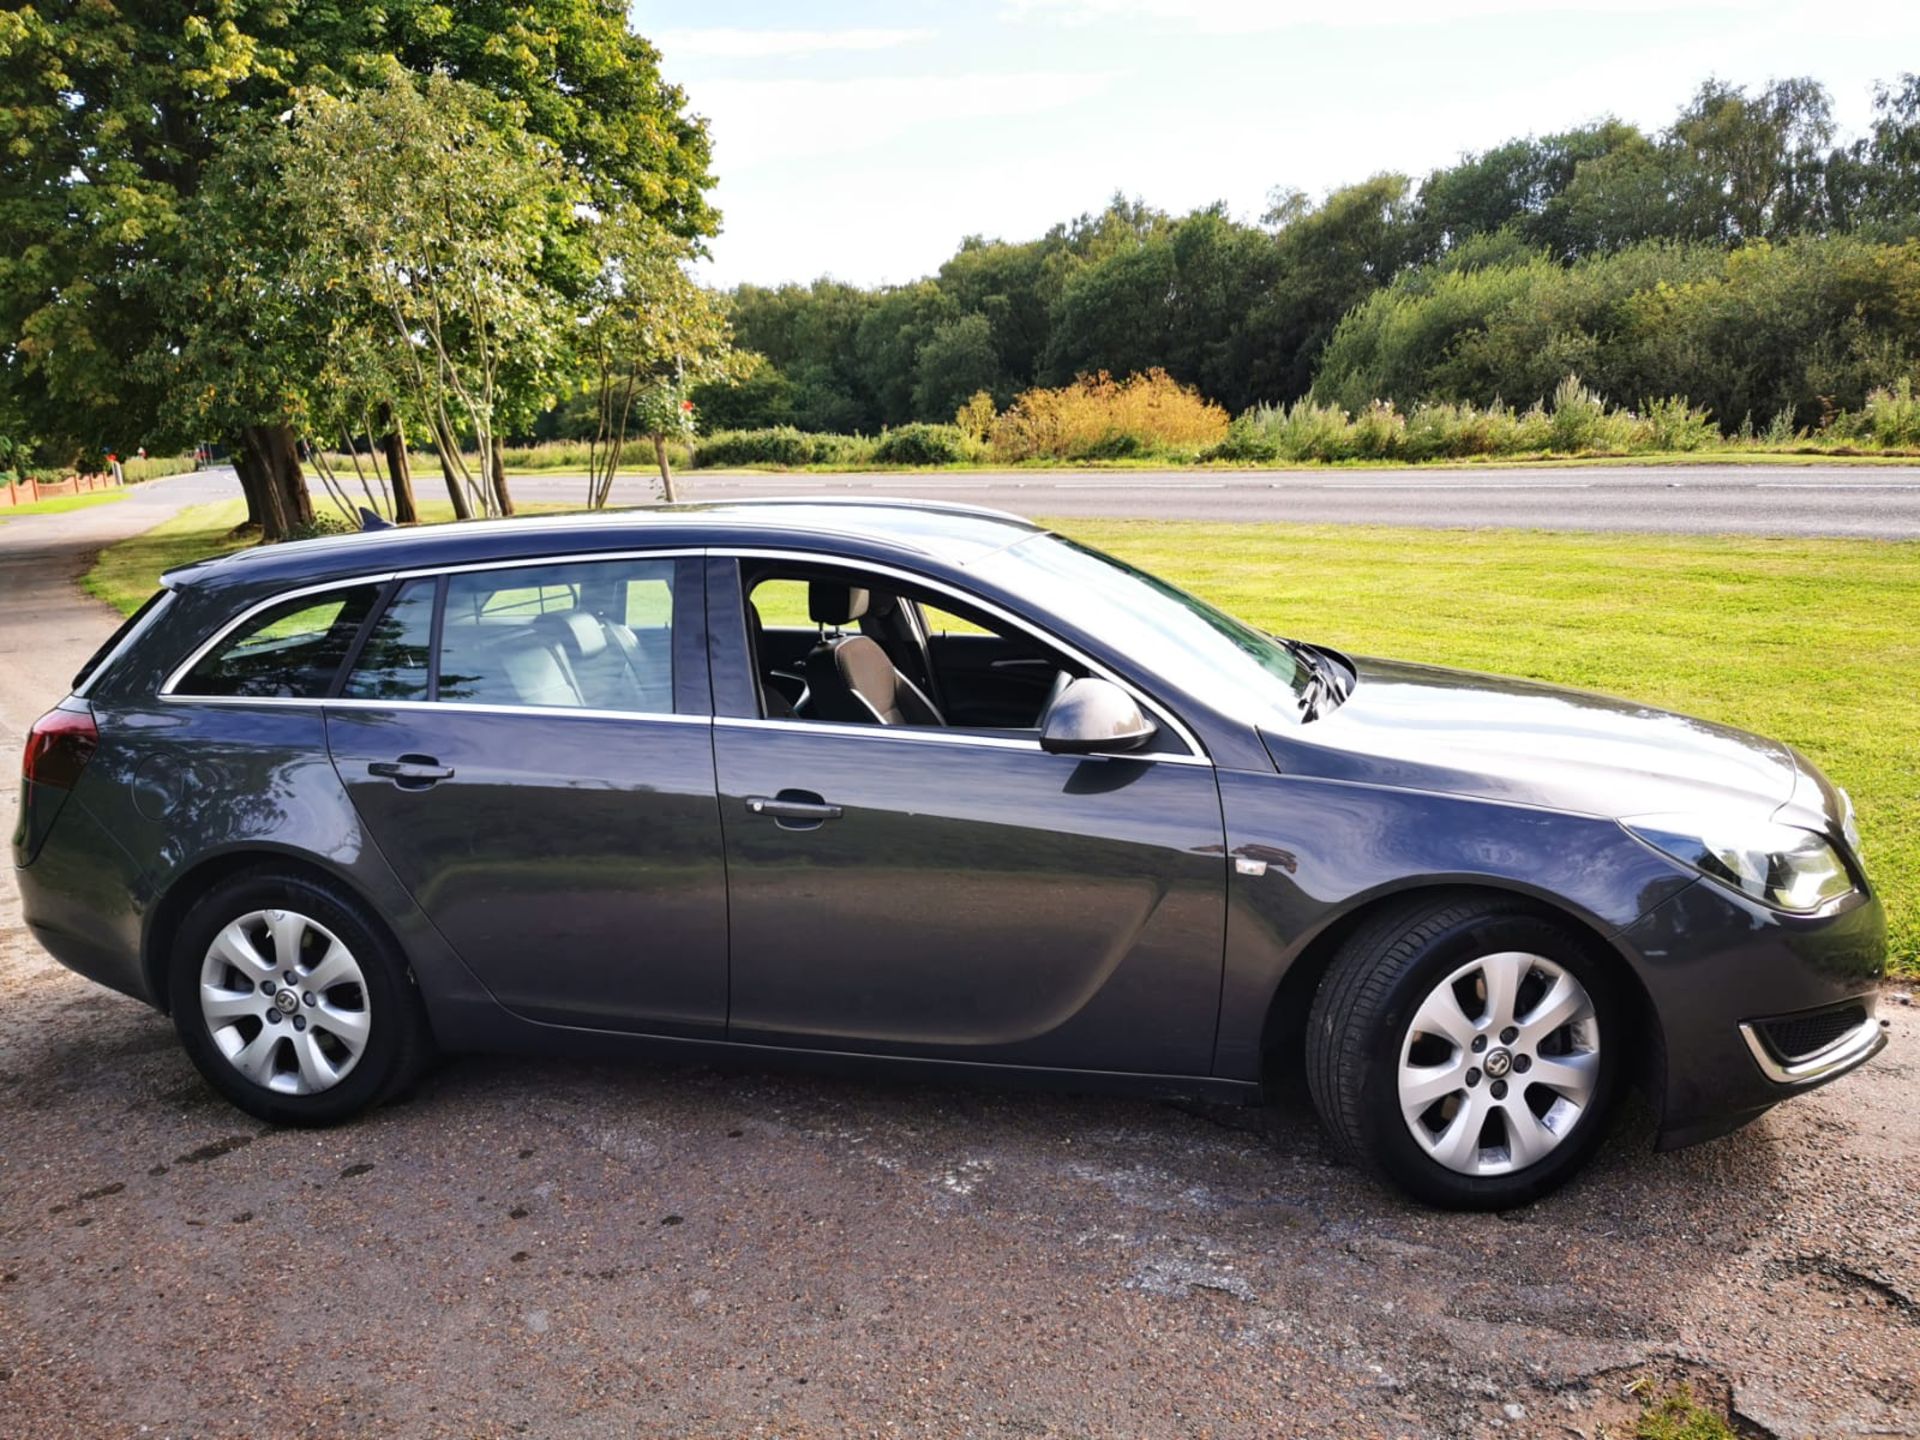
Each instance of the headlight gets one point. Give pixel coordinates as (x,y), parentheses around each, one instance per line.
(1779,865)
(1850,825)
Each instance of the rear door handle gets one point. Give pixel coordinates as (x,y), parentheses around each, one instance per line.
(802,807)
(411,772)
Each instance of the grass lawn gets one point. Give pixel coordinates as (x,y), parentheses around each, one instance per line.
(1816,642)
(59,503)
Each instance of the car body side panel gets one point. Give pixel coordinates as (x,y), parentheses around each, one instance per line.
(182,784)
(1325,847)
(573,860)
(980,904)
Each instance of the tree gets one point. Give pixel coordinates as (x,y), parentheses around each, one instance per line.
(956,361)
(413,204)
(652,335)
(114,112)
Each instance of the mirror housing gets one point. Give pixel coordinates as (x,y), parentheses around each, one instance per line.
(1093,715)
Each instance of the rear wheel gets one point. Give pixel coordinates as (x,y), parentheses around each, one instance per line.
(1467,1051)
(292,1002)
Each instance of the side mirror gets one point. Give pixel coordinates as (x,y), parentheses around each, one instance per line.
(1090,715)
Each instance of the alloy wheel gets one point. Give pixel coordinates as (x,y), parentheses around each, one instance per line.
(285,1001)
(1499,1064)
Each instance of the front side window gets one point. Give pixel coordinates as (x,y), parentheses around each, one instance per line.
(593,635)
(291,650)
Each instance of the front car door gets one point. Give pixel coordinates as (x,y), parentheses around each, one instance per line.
(529,747)
(959,893)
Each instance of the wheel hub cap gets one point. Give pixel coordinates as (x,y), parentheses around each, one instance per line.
(285,1000)
(1499,1064)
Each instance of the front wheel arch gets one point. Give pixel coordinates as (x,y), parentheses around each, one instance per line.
(1283,1032)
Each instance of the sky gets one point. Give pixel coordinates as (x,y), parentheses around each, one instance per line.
(864,140)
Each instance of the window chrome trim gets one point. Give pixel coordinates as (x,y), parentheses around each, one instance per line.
(1196,752)
(127,641)
(1856,1047)
(936,735)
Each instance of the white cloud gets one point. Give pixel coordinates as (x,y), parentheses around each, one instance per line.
(755,122)
(729,43)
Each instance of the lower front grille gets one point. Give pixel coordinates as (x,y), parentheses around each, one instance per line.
(1794,1037)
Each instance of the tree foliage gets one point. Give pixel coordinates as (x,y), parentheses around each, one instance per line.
(1562,228)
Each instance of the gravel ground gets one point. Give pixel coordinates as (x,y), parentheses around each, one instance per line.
(563,1249)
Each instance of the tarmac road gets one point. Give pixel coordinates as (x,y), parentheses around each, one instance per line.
(562,1249)
(1874,503)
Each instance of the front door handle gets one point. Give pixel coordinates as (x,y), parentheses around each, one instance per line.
(793,809)
(411,772)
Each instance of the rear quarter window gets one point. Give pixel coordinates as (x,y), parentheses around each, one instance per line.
(291,650)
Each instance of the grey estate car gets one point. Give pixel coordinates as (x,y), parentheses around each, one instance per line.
(926,787)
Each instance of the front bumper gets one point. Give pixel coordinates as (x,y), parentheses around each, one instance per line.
(1722,974)
(1854,1046)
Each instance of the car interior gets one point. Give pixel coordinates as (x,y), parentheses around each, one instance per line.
(574,645)
(847,648)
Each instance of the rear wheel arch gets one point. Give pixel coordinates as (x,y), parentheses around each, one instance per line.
(164,921)
(1283,1032)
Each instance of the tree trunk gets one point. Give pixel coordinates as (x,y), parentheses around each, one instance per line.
(281,483)
(399,469)
(666,471)
(456,492)
(497,472)
(251,485)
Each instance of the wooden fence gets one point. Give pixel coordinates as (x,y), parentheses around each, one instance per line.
(25,492)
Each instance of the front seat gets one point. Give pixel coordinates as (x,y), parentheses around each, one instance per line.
(850,677)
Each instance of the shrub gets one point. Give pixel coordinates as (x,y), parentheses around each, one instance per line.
(923,445)
(1100,417)
(1673,424)
(1246,440)
(780,445)
(842,449)
(1582,421)
(976,416)
(1893,415)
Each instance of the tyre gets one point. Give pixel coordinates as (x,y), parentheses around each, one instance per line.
(292,1001)
(1466,1051)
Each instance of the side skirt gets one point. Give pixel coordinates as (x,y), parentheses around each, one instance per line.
(492,1030)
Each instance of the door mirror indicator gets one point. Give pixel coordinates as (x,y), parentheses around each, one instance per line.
(1093,715)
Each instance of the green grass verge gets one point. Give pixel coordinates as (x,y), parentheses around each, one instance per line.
(60,503)
(1816,642)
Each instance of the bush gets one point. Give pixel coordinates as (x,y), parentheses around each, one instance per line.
(842,450)
(780,445)
(1098,417)
(1673,424)
(154,466)
(1893,416)
(923,445)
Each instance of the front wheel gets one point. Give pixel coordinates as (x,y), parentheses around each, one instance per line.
(1467,1051)
(292,1002)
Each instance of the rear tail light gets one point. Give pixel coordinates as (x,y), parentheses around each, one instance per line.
(58,748)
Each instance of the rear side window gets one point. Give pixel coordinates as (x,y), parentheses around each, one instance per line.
(396,661)
(290,650)
(589,636)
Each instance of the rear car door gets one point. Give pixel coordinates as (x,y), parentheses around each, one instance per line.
(959,893)
(529,745)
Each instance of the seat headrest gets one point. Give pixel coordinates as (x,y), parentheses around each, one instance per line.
(830,602)
(579,631)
